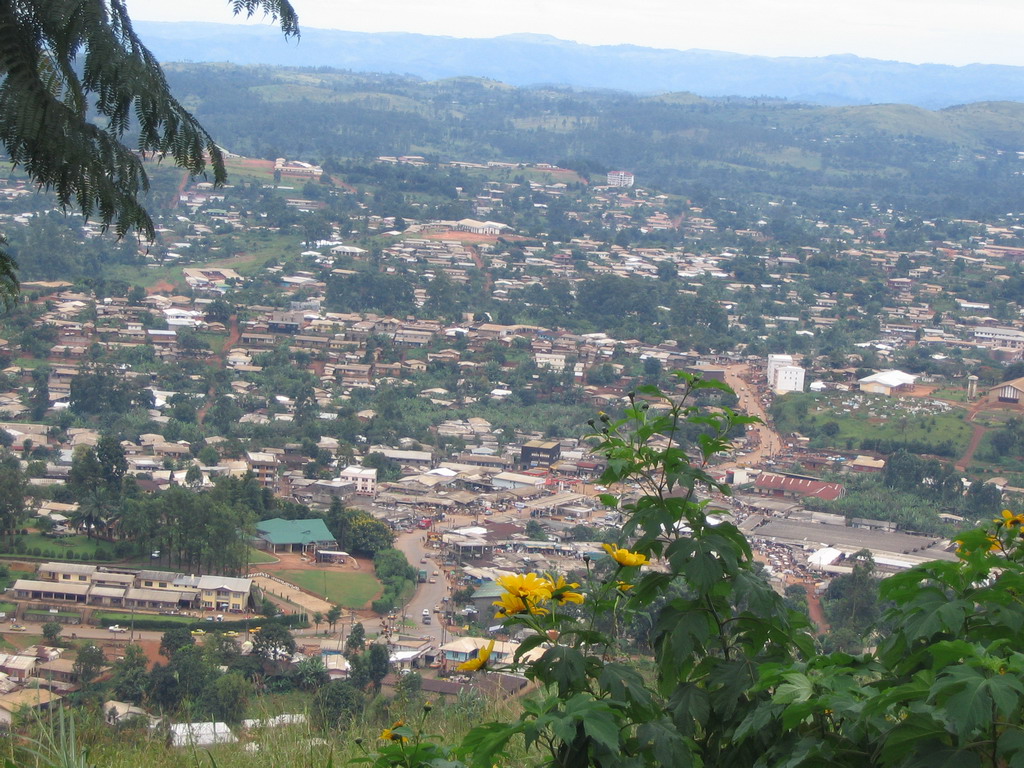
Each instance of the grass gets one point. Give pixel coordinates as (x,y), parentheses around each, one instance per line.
(30,362)
(19,641)
(953,394)
(61,549)
(349,590)
(259,557)
(946,427)
(874,417)
(119,617)
(45,615)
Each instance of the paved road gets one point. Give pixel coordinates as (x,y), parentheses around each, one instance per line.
(427,595)
(79,632)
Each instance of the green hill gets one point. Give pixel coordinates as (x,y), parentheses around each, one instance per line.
(959,161)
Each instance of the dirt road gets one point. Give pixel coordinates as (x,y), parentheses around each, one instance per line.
(769,443)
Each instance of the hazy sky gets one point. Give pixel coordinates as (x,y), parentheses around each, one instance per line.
(917,31)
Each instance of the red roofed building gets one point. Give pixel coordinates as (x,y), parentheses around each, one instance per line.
(796,487)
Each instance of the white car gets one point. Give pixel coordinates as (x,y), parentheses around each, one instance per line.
(116,628)
(426,612)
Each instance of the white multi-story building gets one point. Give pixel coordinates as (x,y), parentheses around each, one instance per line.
(789,378)
(784,375)
(620,179)
(364,479)
(999,337)
(774,363)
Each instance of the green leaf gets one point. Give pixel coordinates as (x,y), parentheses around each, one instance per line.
(1011,747)
(797,687)
(665,744)
(690,707)
(918,733)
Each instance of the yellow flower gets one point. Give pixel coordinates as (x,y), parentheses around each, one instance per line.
(560,591)
(1011,520)
(479,662)
(624,557)
(388,734)
(623,586)
(529,586)
(511,604)
(994,545)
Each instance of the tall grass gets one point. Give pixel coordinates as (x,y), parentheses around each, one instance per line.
(80,737)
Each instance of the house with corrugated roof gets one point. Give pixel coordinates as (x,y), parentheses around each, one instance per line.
(797,487)
(278,535)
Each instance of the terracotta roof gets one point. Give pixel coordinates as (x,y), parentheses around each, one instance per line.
(800,486)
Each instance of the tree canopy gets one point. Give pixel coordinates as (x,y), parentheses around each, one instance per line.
(76,80)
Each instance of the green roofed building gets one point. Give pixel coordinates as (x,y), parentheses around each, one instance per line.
(278,535)
(483,600)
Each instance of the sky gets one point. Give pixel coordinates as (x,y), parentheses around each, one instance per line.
(916,31)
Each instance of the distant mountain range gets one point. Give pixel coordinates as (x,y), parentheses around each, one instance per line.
(529,60)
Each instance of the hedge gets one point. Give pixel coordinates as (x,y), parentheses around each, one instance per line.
(291,621)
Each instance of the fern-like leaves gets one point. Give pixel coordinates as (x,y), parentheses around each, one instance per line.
(64,63)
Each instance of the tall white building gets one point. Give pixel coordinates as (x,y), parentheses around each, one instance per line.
(775,362)
(789,378)
(784,375)
(620,179)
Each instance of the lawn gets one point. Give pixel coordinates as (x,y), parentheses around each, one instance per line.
(30,362)
(259,557)
(61,549)
(349,590)
(956,394)
(118,617)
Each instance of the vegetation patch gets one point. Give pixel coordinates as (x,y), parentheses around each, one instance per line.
(349,590)
(859,421)
(36,545)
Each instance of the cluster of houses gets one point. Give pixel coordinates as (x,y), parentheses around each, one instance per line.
(127,588)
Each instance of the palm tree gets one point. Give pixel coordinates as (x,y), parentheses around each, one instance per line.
(317,618)
(92,511)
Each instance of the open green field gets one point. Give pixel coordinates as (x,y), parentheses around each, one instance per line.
(855,420)
(61,549)
(19,641)
(241,170)
(349,590)
(259,557)
(29,362)
(955,394)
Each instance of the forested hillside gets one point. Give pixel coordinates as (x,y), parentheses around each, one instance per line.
(959,161)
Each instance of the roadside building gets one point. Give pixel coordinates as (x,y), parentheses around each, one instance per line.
(279,535)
